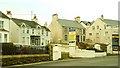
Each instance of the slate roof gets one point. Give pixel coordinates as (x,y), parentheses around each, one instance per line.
(19,22)
(3,15)
(69,23)
(111,22)
(45,28)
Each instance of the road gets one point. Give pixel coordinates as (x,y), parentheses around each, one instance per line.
(99,61)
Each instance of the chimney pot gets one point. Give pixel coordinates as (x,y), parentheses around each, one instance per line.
(9,14)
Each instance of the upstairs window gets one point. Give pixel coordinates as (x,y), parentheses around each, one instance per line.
(1,24)
(32,31)
(66,29)
(28,31)
(83,31)
(42,31)
(93,27)
(46,33)
(90,34)
(66,37)
(97,27)
(23,28)
(104,26)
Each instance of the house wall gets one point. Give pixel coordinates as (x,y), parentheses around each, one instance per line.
(6,26)
(103,36)
(14,32)
(25,35)
(2,33)
(56,32)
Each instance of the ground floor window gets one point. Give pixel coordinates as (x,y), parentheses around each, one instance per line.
(83,38)
(5,37)
(35,40)
(23,39)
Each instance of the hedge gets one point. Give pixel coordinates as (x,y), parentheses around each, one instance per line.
(11,49)
(24,60)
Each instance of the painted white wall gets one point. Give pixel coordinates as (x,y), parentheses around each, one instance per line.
(6,26)
(14,32)
(2,36)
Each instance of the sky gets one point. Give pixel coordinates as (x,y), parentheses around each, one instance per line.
(88,10)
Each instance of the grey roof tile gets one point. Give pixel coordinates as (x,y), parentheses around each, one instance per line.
(31,24)
(69,23)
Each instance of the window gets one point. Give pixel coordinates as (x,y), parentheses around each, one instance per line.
(66,37)
(97,35)
(0,37)
(38,31)
(104,26)
(46,33)
(42,31)
(32,31)
(42,43)
(5,37)
(83,31)
(80,31)
(28,40)
(28,31)
(83,38)
(106,32)
(23,28)
(97,27)
(90,34)
(23,40)
(66,29)
(93,27)
(1,24)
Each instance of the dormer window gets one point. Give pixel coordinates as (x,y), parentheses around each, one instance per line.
(23,28)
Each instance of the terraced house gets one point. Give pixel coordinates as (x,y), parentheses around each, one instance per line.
(103,31)
(60,29)
(25,32)
(4,28)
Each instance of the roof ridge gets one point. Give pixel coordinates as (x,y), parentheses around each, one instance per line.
(67,19)
(22,19)
(111,19)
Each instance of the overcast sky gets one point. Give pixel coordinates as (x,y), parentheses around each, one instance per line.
(88,10)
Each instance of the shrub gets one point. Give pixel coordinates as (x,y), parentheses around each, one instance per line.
(96,50)
(11,49)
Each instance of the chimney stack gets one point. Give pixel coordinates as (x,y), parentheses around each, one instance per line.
(102,17)
(9,14)
(35,19)
(77,19)
(45,24)
(54,17)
